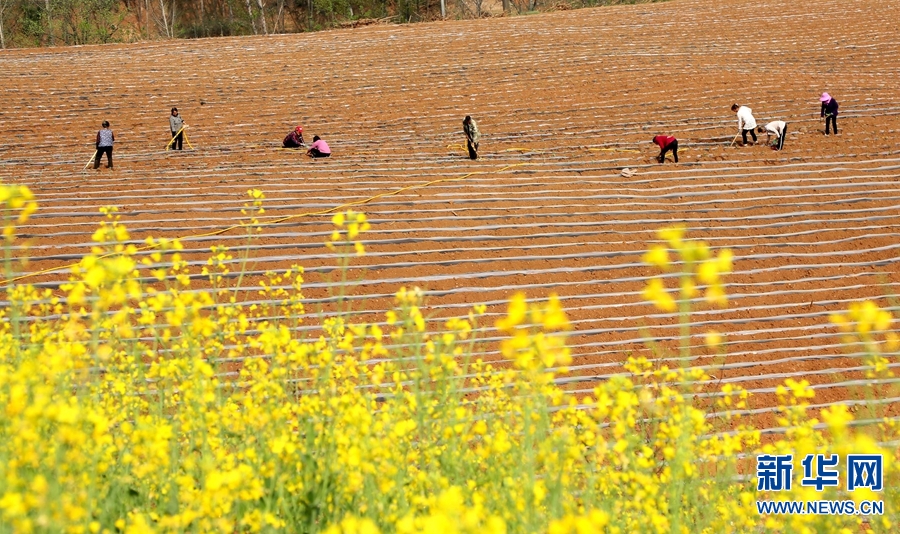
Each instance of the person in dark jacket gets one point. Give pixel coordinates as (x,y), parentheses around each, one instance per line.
(104,144)
(666,143)
(472,135)
(176,125)
(294,139)
(829,111)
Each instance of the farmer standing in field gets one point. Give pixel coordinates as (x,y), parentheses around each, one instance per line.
(829,111)
(666,143)
(779,130)
(104,144)
(176,125)
(746,122)
(472,135)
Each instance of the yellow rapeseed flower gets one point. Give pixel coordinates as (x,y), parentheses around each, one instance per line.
(657,256)
(515,315)
(656,293)
(713,339)
(673,235)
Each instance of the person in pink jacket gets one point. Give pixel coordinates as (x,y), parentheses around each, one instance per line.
(319,148)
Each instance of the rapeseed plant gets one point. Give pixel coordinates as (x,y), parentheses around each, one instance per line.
(139,403)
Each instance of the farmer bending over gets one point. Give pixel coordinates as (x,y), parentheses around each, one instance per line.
(294,139)
(666,143)
(778,129)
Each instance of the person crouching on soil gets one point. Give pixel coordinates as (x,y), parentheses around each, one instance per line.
(294,139)
(319,148)
(666,143)
(746,122)
(472,135)
(176,125)
(829,111)
(776,128)
(104,144)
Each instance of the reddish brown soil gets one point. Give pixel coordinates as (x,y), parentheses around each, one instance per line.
(565,101)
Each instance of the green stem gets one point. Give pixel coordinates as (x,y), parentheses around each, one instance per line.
(684,321)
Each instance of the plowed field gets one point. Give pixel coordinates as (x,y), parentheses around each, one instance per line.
(564,101)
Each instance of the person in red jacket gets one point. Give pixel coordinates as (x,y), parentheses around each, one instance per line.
(666,143)
(294,139)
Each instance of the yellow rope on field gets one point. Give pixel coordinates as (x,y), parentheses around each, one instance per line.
(174,137)
(286,218)
(188,141)
(183,137)
(614,150)
(539,151)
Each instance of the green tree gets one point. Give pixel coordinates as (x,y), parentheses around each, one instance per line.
(89,21)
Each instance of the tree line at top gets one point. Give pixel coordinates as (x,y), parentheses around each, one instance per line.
(29,23)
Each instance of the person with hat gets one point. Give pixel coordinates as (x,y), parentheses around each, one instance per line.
(104,144)
(829,111)
(176,125)
(294,139)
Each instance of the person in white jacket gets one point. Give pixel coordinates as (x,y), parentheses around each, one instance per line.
(778,129)
(746,122)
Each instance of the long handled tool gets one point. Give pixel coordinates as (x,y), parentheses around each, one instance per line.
(91,160)
(735,139)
